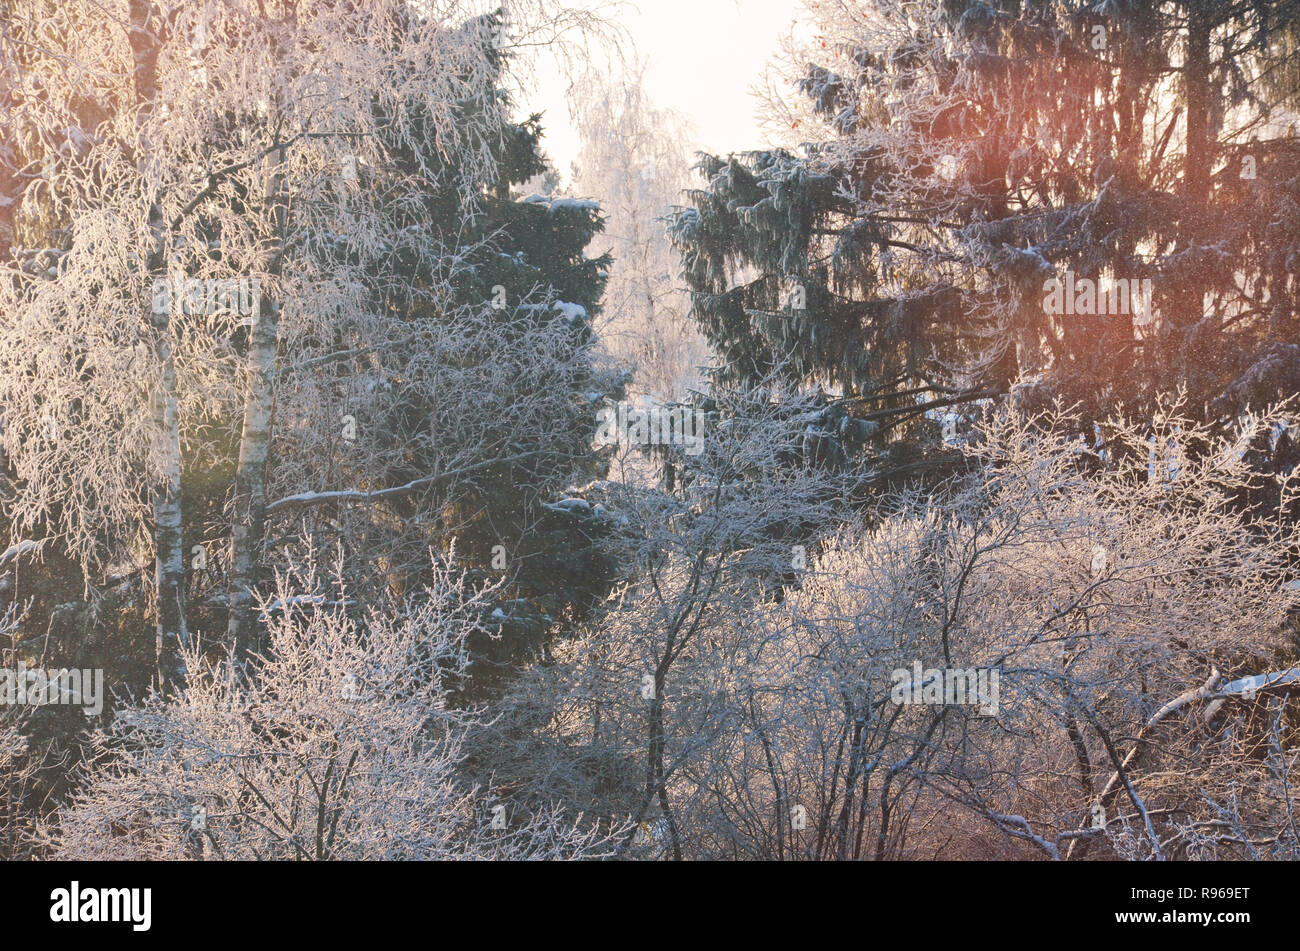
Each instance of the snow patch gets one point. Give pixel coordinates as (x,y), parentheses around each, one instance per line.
(571,312)
(581,204)
(23,547)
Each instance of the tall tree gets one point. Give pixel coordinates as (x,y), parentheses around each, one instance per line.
(632,158)
(960,156)
(225,147)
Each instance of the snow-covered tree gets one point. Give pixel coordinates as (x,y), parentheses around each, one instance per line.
(338,743)
(1123,611)
(1100,598)
(291,149)
(459,415)
(958,156)
(629,702)
(632,158)
(22,756)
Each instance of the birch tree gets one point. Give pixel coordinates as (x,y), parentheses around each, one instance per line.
(633,158)
(214,142)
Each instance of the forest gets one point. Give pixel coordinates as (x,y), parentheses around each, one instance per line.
(918,483)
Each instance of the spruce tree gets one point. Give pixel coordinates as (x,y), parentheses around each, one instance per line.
(523,258)
(961,155)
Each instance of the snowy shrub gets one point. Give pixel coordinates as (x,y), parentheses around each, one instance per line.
(337,743)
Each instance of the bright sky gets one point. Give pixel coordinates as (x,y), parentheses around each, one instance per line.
(703,59)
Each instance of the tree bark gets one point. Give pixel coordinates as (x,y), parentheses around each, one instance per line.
(249,529)
(170,633)
(1196,168)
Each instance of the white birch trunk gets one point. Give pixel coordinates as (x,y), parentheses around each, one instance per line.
(249,526)
(169,591)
